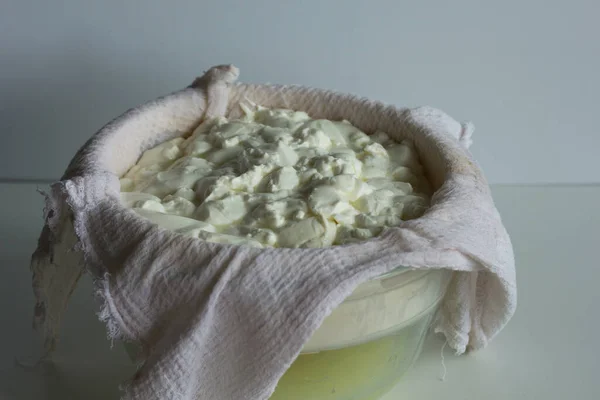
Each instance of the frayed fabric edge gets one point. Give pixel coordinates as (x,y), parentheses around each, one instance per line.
(107,313)
(453,337)
(59,210)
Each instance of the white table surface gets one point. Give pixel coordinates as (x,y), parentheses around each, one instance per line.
(548,351)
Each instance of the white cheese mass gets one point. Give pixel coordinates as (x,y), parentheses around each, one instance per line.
(278,178)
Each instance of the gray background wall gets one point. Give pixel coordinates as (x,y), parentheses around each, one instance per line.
(525,72)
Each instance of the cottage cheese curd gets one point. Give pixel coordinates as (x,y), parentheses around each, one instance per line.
(278,178)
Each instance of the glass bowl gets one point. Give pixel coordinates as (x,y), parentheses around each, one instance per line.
(369,341)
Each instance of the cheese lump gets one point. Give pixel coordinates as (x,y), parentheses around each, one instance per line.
(278,178)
